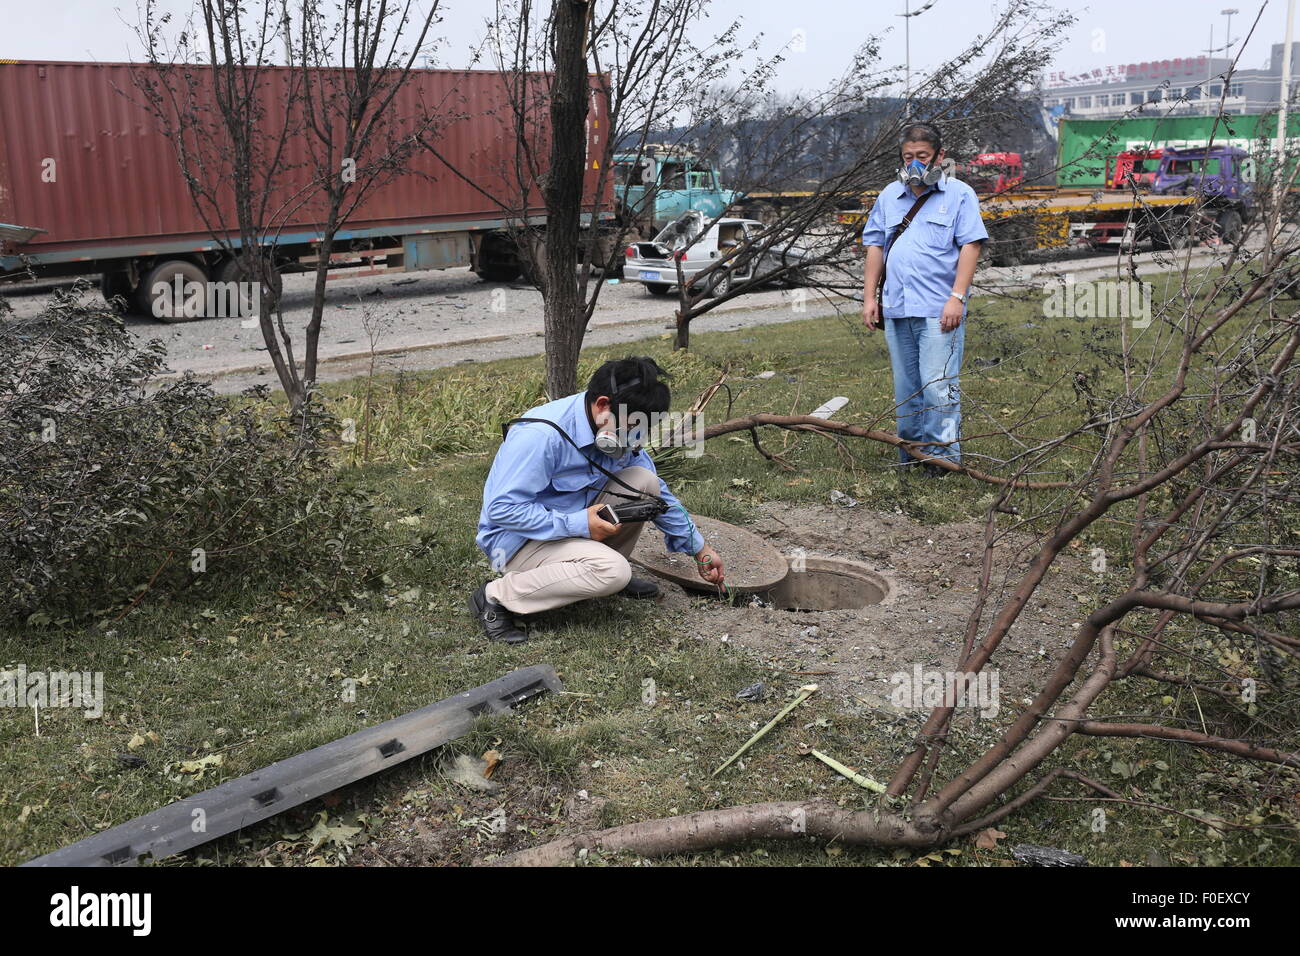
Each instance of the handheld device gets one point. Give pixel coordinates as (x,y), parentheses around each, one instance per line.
(632,511)
(646,509)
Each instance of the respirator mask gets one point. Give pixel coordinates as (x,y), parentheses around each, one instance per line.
(617,440)
(617,437)
(917,173)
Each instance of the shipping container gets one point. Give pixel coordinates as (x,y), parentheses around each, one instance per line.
(83,160)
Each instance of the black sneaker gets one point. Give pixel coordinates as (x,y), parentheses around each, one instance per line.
(640,588)
(934,471)
(495,620)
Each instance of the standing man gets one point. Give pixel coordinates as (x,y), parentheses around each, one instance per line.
(923,238)
(544,518)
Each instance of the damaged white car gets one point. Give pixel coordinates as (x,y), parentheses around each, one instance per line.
(655,263)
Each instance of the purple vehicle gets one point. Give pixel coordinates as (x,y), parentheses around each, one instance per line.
(1223,177)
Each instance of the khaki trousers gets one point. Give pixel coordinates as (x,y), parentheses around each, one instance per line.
(543,575)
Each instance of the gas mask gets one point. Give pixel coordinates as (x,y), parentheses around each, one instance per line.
(917,173)
(617,441)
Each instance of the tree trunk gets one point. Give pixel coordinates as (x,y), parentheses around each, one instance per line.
(564,311)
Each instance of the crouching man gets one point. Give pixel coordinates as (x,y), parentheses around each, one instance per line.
(558,470)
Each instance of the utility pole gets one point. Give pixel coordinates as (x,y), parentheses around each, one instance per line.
(907,15)
(1284,96)
(1228,14)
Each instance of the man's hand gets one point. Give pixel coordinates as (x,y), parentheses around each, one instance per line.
(598,529)
(709,563)
(871,313)
(951,316)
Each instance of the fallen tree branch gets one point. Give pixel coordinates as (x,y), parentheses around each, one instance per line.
(1242,748)
(831,428)
(706,829)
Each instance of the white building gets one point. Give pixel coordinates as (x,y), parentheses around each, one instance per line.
(1182,86)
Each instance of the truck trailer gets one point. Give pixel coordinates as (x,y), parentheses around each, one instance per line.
(91,185)
(1195,194)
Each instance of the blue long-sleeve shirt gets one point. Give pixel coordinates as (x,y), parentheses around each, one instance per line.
(922,264)
(540,486)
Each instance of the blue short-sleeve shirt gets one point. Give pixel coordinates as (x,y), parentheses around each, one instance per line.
(922,265)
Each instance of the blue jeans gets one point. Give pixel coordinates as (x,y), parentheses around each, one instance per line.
(926,365)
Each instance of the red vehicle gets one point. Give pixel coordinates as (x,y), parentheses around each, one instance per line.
(90,185)
(993,173)
(1136,165)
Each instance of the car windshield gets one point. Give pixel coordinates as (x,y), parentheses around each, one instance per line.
(681,232)
(1189,167)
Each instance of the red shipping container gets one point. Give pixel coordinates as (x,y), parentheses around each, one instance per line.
(82,158)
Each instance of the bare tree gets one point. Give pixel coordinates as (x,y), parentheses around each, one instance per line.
(1192,448)
(777,141)
(239,120)
(1197,453)
(587,81)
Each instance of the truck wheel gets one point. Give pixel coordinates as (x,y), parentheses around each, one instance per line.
(497,259)
(232,270)
(1010,244)
(166,305)
(1229,226)
(658,288)
(116,285)
(1172,232)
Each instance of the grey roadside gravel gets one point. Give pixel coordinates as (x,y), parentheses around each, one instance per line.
(436,319)
(429,320)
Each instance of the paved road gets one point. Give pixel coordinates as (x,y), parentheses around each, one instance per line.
(435,319)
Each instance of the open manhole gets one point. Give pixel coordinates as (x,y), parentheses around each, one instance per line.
(798,582)
(829,584)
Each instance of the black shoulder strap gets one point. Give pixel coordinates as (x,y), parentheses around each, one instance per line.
(898,231)
(911,214)
(604,471)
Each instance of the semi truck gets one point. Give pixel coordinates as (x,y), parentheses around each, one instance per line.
(90,185)
(1085,146)
(1196,194)
(1135,166)
(993,173)
(659,184)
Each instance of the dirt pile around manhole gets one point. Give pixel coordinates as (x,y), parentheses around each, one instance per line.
(933,572)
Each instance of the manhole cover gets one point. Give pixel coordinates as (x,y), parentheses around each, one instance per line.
(752,564)
(830,584)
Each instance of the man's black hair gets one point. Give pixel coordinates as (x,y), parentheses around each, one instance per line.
(920,133)
(635,381)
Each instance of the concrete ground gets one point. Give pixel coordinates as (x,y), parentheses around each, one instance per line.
(435,319)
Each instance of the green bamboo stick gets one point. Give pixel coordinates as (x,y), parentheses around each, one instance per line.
(806,691)
(865,783)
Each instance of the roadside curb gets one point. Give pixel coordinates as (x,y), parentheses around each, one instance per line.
(458,343)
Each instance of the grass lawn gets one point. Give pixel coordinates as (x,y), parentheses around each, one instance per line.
(248,672)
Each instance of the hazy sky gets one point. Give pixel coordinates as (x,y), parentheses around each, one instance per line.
(1108,32)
